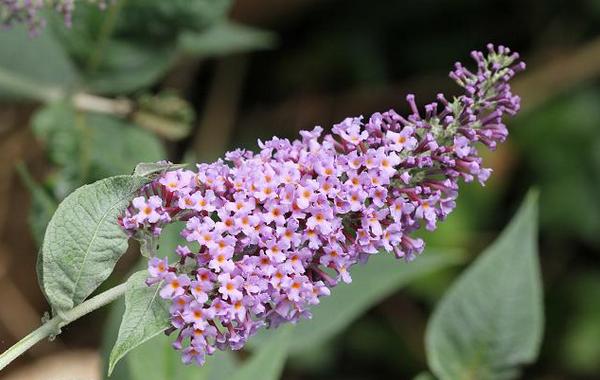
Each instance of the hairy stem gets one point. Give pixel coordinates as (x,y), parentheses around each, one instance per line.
(53,326)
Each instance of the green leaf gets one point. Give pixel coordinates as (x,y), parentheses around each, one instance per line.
(61,133)
(222,365)
(491,320)
(109,337)
(83,240)
(130,66)
(225,38)
(579,351)
(573,117)
(131,45)
(116,146)
(86,147)
(157,360)
(424,376)
(371,283)
(147,169)
(267,362)
(111,60)
(43,204)
(169,18)
(146,315)
(29,67)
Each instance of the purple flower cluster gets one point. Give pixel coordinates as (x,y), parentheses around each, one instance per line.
(269,233)
(28,12)
(22,11)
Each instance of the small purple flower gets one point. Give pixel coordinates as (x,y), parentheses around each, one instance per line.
(305,195)
(350,130)
(321,220)
(276,250)
(158,268)
(388,164)
(196,314)
(148,210)
(179,180)
(230,287)
(192,354)
(403,140)
(274,212)
(427,209)
(175,285)
(200,291)
(333,255)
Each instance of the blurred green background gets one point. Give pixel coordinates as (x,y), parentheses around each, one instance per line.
(186,80)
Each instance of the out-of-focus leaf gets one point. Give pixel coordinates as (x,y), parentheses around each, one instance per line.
(225,38)
(146,316)
(267,362)
(169,18)
(157,360)
(129,66)
(491,320)
(32,65)
(62,136)
(132,44)
(222,365)
(54,124)
(580,351)
(385,339)
(110,63)
(42,205)
(87,147)
(83,240)
(116,146)
(371,283)
(318,359)
(560,143)
(424,376)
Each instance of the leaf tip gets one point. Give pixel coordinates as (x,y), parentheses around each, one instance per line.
(111,367)
(533,196)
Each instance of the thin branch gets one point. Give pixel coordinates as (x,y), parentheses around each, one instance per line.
(52,327)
